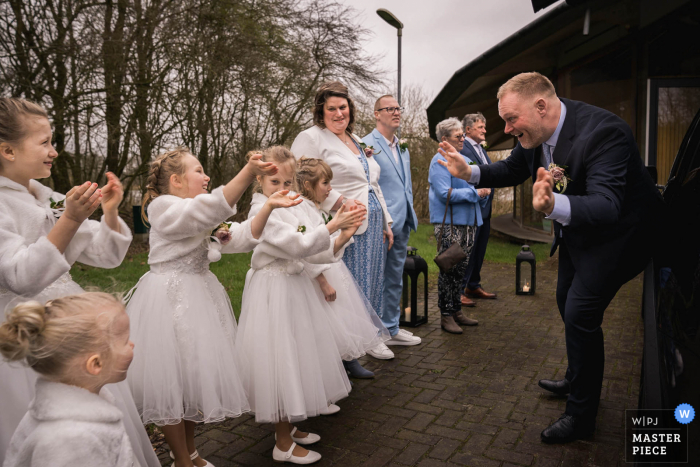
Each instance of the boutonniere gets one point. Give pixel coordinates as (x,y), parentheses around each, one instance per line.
(57,207)
(218,237)
(484,145)
(561,179)
(301,228)
(403,144)
(326,220)
(369,150)
(471,162)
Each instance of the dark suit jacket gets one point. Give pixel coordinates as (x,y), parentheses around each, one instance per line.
(469,152)
(615,208)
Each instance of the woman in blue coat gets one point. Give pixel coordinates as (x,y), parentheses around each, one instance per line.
(460,225)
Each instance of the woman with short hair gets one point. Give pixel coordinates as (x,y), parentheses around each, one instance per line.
(460,222)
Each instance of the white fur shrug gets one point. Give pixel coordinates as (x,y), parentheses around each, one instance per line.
(181,225)
(68,426)
(281,238)
(29,263)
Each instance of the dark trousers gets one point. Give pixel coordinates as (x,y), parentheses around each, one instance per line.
(582,312)
(472,278)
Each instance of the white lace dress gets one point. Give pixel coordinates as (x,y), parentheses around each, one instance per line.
(356,326)
(286,351)
(182,323)
(31,268)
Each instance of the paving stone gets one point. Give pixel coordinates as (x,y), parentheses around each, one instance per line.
(465,400)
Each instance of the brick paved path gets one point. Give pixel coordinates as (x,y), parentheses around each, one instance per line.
(466,400)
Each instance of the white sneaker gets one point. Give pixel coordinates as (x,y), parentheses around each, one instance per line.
(279,456)
(381,352)
(403,337)
(330,410)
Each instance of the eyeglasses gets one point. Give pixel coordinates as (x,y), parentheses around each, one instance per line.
(462,136)
(391,110)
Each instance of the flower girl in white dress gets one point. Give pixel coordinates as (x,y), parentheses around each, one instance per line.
(359,328)
(287,356)
(42,233)
(78,344)
(183,325)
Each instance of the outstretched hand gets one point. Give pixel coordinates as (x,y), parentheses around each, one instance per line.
(455,164)
(282,199)
(543,192)
(258,167)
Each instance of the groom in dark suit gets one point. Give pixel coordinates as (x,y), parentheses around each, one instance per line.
(590,180)
(474,135)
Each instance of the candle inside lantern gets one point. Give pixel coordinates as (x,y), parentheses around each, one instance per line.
(407,314)
(526,287)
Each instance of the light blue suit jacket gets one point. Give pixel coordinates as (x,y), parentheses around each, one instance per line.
(396,186)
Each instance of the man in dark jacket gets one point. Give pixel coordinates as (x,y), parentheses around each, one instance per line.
(590,180)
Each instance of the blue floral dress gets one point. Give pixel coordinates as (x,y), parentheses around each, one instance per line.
(366,257)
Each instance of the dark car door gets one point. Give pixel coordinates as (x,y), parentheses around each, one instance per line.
(671,305)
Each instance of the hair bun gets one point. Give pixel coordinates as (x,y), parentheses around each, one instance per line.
(24,324)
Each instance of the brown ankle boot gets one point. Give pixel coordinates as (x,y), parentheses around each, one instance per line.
(447,323)
(463,320)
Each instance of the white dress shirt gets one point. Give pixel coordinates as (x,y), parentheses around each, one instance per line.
(394,146)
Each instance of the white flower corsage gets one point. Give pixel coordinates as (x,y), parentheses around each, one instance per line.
(219,237)
(57,207)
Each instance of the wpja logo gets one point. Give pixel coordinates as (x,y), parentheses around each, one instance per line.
(658,435)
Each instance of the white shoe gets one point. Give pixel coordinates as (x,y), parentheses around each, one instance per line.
(330,410)
(403,337)
(193,456)
(279,456)
(311,438)
(381,352)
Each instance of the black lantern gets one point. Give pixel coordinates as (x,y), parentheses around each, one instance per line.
(414,266)
(525,272)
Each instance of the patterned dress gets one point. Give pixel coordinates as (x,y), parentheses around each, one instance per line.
(366,257)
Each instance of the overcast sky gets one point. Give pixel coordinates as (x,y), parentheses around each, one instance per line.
(440,36)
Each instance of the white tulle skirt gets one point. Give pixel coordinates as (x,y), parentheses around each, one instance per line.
(355,325)
(287,356)
(17,385)
(184,365)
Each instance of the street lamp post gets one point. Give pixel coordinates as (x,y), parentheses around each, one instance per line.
(389,17)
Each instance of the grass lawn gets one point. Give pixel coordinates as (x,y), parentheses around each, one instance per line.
(231,269)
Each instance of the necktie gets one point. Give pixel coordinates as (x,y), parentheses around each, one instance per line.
(547,151)
(483,155)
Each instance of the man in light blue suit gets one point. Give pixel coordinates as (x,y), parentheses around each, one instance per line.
(395,182)
(475,134)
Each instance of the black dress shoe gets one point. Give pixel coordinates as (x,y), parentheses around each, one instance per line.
(568,428)
(560,387)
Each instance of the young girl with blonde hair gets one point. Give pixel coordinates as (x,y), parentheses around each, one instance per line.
(287,355)
(359,328)
(182,320)
(78,344)
(42,233)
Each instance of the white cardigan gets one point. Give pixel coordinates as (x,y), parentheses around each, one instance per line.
(349,178)
(180,226)
(67,426)
(29,263)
